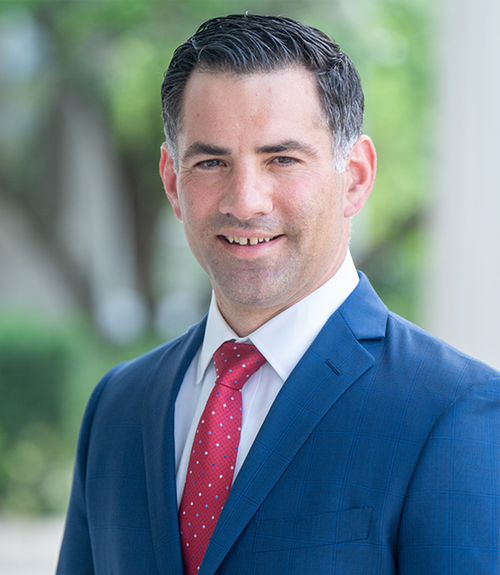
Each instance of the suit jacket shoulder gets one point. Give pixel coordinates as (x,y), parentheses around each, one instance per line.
(402,348)
(168,361)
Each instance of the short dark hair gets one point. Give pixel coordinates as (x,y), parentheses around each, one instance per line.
(248,44)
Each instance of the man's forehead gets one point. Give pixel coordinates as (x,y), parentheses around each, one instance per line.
(213,80)
(293,90)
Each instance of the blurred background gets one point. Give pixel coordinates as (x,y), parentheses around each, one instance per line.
(94,268)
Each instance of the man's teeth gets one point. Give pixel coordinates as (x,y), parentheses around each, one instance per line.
(245,241)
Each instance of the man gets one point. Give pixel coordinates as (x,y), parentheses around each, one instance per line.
(362,445)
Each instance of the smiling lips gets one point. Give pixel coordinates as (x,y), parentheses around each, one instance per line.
(245,241)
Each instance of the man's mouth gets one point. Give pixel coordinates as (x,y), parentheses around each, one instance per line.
(247,241)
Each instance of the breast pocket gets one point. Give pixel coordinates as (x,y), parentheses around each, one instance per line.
(312,530)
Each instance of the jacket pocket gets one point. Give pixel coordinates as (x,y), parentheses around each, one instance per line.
(312,530)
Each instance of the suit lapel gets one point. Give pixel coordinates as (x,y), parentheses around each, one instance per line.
(330,366)
(159,447)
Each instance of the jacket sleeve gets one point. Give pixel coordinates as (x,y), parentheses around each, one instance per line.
(76,551)
(451,517)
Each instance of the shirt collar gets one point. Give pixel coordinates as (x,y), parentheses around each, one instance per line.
(285,338)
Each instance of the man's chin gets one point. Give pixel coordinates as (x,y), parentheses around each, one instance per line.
(259,299)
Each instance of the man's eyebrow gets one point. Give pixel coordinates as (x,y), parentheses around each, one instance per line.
(288,146)
(201,148)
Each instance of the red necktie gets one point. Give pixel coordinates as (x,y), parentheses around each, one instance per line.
(213,456)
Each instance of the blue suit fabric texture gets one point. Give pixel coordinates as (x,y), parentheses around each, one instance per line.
(380,455)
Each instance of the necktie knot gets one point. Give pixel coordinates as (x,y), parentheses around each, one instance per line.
(235,363)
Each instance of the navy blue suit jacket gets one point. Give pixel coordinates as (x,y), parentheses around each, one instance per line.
(379,456)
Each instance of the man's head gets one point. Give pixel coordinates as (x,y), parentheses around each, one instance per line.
(248,44)
(250,168)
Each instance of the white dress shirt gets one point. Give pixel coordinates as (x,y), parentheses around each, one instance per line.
(282,340)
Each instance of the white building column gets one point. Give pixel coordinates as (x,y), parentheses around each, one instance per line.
(463,304)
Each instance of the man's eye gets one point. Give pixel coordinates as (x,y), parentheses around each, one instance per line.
(209,164)
(284,160)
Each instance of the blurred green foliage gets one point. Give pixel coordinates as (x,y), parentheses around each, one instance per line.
(34,367)
(47,371)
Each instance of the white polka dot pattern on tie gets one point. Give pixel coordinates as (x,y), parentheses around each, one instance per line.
(213,455)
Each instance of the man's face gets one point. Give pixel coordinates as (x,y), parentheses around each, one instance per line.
(263,208)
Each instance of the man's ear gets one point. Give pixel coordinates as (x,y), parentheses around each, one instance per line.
(169,179)
(360,175)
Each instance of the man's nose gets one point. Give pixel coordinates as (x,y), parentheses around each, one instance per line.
(247,194)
